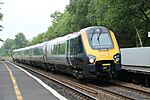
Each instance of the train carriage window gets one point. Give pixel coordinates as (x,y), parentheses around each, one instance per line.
(62,48)
(55,49)
(26,52)
(76,45)
(19,54)
(49,49)
(52,49)
(58,47)
(38,51)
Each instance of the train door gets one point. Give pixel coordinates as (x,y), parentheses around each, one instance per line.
(72,51)
(45,52)
(79,56)
(68,53)
(75,51)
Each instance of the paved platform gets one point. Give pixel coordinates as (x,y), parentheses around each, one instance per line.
(16,84)
(137,69)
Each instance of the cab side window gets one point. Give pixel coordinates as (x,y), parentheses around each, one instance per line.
(80,45)
(71,46)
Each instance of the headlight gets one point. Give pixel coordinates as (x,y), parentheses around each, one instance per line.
(91,59)
(117,57)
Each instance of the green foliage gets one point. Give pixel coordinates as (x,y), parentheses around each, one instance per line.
(79,11)
(7,47)
(1,40)
(10,44)
(126,18)
(39,39)
(20,41)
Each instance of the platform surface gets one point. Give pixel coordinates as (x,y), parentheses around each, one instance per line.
(28,87)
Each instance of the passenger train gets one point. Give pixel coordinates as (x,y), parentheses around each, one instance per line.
(92,52)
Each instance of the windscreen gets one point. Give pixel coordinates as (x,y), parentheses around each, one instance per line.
(100,39)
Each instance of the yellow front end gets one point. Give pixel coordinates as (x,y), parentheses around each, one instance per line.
(104,60)
(101,54)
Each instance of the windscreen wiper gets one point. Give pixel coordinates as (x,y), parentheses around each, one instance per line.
(98,32)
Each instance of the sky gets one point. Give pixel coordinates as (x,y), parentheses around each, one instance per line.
(30,17)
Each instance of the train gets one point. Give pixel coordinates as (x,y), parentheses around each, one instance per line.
(93,52)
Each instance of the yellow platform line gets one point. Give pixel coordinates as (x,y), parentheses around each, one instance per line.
(17,91)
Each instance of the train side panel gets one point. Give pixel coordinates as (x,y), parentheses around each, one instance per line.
(38,55)
(56,53)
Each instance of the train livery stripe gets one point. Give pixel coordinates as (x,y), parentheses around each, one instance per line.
(16,88)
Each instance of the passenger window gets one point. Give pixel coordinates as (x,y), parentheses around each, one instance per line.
(49,49)
(71,46)
(55,49)
(62,48)
(38,51)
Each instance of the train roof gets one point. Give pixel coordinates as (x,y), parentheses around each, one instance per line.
(75,34)
(63,38)
(30,47)
(104,29)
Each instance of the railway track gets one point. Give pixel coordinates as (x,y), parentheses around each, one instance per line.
(114,90)
(132,87)
(123,92)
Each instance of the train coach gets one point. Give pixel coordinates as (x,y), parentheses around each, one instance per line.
(92,52)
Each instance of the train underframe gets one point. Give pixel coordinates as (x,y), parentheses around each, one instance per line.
(93,71)
(105,71)
(100,70)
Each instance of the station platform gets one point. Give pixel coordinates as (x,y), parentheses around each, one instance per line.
(17,84)
(136,69)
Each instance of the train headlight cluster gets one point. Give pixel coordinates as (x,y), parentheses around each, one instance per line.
(117,58)
(92,59)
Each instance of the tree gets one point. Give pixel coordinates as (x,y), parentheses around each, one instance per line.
(20,41)
(10,44)
(1,40)
(132,18)
(79,10)
(7,47)
(128,19)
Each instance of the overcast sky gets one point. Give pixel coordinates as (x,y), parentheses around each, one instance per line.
(30,17)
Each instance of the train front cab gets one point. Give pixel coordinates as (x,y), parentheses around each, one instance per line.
(102,51)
